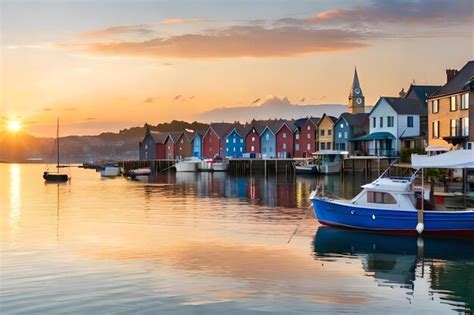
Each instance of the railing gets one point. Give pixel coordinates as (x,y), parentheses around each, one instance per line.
(382,152)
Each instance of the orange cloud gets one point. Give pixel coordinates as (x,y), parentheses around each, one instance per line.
(174,21)
(234,42)
(118,30)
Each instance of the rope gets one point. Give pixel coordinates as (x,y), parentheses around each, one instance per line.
(299,224)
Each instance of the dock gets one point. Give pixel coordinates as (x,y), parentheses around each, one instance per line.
(262,166)
(156,166)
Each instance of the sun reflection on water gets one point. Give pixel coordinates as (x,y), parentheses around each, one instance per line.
(15,197)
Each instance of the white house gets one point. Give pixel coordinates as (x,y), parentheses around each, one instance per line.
(395,123)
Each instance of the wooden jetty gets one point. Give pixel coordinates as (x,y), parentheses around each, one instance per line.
(155,165)
(366,164)
(262,166)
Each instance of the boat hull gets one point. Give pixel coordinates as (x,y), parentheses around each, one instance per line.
(334,213)
(56,178)
(186,166)
(110,171)
(306,169)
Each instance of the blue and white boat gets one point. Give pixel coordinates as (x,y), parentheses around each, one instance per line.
(391,204)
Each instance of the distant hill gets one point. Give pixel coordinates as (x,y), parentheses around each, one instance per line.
(273,107)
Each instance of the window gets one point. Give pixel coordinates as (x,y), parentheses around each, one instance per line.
(454,125)
(465,126)
(410,121)
(308,146)
(227,149)
(465,101)
(390,121)
(342,125)
(435,129)
(328,145)
(374,122)
(435,106)
(226,140)
(284,146)
(339,134)
(182,140)
(235,140)
(234,149)
(308,136)
(342,146)
(309,127)
(241,149)
(252,148)
(345,134)
(297,136)
(322,132)
(241,140)
(453,104)
(323,146)
(380,197)
(146,146)
(297,147)
(253,139)
(284,135)
(381,122)
(267,137)
(329,132)
(210,149)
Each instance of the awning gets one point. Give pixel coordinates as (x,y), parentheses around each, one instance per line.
(375,136)
(451,159)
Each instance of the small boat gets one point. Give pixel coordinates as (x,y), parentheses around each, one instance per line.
(189,164)
(216,164)
(391,204)
(56,177)
(306,167)
(330,161)
(110,170)
(145,171)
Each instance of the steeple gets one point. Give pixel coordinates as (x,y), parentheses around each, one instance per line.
(356,97)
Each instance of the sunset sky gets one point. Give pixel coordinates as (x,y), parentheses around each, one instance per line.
(105,65)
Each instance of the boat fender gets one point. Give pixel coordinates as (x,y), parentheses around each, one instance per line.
(420,227)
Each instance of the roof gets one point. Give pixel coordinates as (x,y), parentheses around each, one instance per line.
(258,128)
(241,130)
(159,137)
(421,92)
(300,122)
(221,129)
(375,136)
(355,84)
(189,135)
(175,135)
(461,81)
(332,118)
(355,120)
(405,106)
(276,126)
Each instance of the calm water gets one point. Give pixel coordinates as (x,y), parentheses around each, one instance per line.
(209,243)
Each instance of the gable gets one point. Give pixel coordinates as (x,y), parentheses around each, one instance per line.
(382,108)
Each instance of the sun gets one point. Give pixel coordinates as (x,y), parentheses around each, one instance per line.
(14,126)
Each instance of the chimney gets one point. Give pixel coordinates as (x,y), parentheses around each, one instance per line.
(450,73)
(402,93)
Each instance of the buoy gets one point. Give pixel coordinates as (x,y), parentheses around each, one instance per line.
(420,227)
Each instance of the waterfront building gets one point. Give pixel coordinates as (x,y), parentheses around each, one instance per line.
(252,140)
(197,144)
(171,140)
(284,138)
(325,132)
(268,143)
(347,128)
(213,142)
(153,146)
(451,110)
(356,97)
(235,142)
(183,146)
(305,137)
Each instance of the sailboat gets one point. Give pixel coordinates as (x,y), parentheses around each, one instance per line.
(56,176)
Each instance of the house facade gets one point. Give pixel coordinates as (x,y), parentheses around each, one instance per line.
(268,143)
(284,139)
(213,142)
(347,128)
(305,137)
(153,146)
(183,146)
(252,140)
(325,133)
(451,110)
(235,142)
(197,144)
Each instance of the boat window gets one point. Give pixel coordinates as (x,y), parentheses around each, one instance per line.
(380,197)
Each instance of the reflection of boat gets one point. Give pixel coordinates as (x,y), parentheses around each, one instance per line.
(330,161)
(392,204)
(56,176)
(110,170)
(140,172)
(189,164)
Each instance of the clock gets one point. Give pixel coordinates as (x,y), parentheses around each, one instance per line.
(358,101)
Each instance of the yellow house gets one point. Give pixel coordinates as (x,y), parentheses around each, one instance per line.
(326,132)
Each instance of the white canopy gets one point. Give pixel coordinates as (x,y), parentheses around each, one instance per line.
(451,159)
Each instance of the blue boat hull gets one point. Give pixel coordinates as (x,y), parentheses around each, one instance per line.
(400,221)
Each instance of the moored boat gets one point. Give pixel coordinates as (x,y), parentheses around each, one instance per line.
(330,161)
(306,167)
(110,170)
(189,164)
(56,177)
(216,164)
(145,171)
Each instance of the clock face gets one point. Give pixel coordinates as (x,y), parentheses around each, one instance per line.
(357,91)
(358,101)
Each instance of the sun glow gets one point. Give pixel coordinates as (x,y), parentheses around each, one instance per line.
(14,126)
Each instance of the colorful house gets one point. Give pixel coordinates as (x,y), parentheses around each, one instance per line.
(183,145)
(197,144)
(235,142)
(284,138)
(171,140)
(213,142)
(305,137)
(153,146)
(252,140)
(325,132)
(268,143)
(347,128)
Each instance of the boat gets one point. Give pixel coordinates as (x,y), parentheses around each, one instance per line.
(306,167)
(145,171)
(330,161)
(217,164)
(56,177)
(392,204)
(189,164)
(110,170)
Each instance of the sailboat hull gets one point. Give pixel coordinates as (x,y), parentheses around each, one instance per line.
(57,178)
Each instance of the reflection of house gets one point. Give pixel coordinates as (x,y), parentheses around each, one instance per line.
(306,136)
(325,131)
(451,109)
(348,127)
(235,142)
(213,142)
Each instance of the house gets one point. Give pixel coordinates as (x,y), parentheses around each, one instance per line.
(268,143)
(451,110)
(183,145)
(325,132)
(213,141)
(347,128)
(421,92)
(305,137)
(252,140)
(394,120)
(235,142)
(284,138)
(171,140)
(197,144)
(153,146)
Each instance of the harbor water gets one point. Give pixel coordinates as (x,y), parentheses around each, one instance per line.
(210,243)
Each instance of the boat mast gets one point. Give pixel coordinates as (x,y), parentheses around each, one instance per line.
(57,144)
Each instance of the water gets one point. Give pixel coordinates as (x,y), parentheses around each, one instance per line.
(209,243)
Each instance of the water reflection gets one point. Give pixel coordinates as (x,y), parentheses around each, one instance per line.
(400,260)
(15,196)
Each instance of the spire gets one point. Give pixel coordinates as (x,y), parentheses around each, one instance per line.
(355,84)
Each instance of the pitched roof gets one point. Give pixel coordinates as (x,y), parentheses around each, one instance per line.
(159,137)
(300,122)
(221,129)
(258,128)
(354,120)
(175,135)
(461,81)
(189,135)
(406,106)
(277,125)
(421,92)
(332,118)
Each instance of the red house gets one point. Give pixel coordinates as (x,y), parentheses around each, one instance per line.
(252,139)
(307,143)
(160,139)
(213,142)
(284,131)
(171,140)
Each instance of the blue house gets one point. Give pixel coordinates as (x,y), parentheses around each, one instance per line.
(268,143)
(235,142)
(197,144)
(346,128)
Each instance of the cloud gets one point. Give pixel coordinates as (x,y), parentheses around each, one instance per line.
(90,118)
(235,42)
(47,109)
(118,30)
(148,100)
(174,21)
(177,97)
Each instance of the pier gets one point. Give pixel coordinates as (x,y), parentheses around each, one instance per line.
(262,166)
(156,166)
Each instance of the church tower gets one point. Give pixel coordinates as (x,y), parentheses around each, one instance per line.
(356,97)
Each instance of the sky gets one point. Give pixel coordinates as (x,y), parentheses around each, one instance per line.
(106,65)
